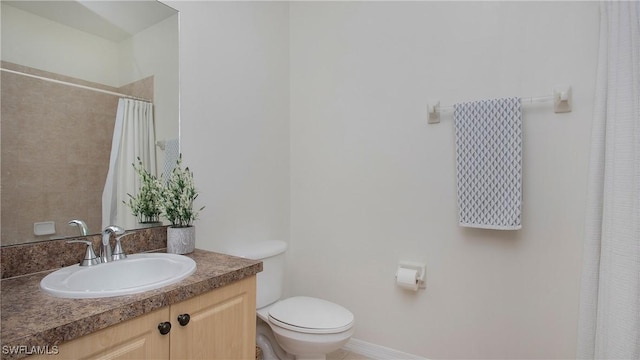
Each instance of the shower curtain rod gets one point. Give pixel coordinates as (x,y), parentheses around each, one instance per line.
(75,85)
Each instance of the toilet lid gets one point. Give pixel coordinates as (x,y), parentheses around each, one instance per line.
(310,315)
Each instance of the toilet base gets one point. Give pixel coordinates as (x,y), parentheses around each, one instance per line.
(282,344)
(308,357)
(266,339)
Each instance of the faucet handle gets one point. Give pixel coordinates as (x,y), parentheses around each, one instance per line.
(90,257)
(118,252)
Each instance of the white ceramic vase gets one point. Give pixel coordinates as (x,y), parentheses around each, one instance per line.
(181,240)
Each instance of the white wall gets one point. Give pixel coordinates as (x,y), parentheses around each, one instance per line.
(234,77)
(313,114)
(372,183)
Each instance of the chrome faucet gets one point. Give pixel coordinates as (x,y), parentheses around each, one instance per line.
(81,224)
(105,249)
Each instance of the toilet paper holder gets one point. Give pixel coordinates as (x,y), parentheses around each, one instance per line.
(420,268)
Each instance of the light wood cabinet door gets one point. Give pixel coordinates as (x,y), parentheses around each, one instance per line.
(221,325)
(137,338)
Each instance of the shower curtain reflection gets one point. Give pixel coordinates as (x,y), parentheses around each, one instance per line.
(133,137)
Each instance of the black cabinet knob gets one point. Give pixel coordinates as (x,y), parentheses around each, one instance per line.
(164,327)
(183,319)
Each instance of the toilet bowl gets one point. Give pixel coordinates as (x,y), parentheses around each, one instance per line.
(308,327)
(303,327)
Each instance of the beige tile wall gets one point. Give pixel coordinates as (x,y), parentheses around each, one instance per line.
(55,145)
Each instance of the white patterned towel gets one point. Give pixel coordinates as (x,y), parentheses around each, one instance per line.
(171,154)
(489,163)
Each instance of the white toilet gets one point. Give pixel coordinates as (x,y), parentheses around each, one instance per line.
(298,327)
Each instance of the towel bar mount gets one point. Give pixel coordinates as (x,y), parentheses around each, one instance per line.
(562,98)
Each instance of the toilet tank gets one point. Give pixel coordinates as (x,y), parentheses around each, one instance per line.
(270,280)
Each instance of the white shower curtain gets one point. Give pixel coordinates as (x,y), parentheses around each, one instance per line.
(609,325)
(133,137)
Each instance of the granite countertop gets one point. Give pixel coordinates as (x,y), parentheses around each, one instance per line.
(30,317)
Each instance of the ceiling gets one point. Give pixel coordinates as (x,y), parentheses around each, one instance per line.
(112,20)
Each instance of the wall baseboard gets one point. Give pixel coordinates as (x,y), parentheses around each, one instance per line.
(377,352)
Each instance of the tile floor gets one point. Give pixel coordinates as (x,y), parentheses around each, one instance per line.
(341,354)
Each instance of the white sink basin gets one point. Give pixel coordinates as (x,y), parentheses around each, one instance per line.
(137,273)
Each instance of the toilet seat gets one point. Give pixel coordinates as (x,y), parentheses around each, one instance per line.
(310,315)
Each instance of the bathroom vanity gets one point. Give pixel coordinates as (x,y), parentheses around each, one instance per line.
(218,301)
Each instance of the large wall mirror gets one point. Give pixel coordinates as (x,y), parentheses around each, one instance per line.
(66,65)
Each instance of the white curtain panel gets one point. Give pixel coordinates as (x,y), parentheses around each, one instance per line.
(609,326)
(133,137)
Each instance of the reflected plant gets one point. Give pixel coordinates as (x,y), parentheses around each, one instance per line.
(146,205)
